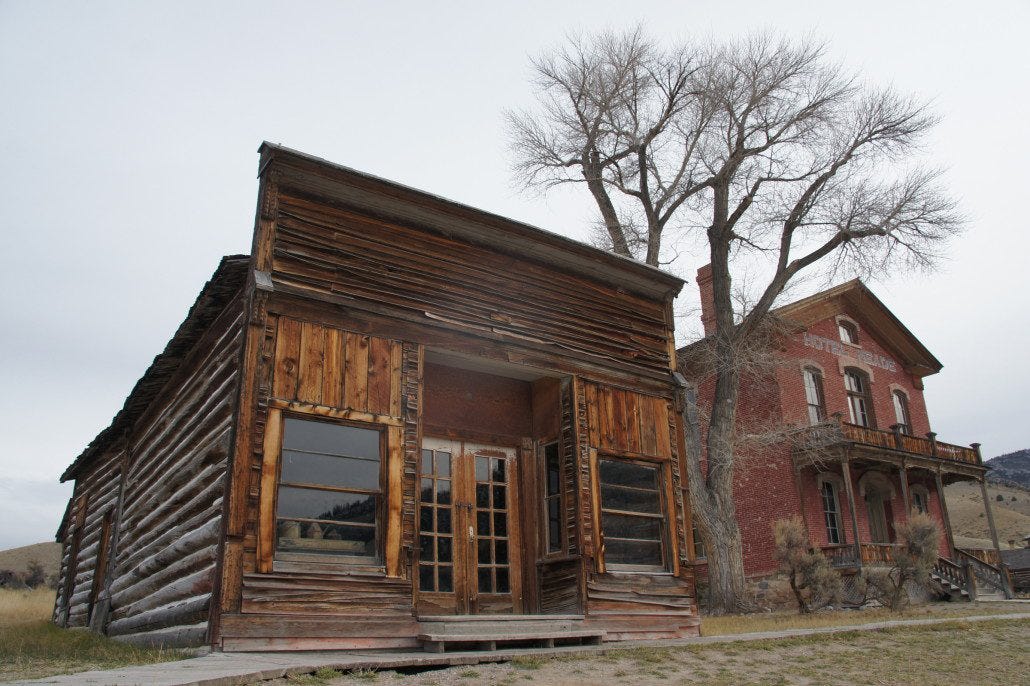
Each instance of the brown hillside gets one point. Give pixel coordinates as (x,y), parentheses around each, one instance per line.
(965,505)
(17,559)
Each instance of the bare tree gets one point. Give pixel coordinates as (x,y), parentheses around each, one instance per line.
(760,150)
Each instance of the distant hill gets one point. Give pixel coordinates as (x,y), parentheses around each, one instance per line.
(17,559)
(969,523)
(1013,468)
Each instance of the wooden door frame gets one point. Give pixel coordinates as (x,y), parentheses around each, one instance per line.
(465,586)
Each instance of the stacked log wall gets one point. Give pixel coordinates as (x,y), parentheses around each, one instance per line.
(163,569)
(95,496)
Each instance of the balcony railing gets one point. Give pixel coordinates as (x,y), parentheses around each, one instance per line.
(873,554)
(895,440)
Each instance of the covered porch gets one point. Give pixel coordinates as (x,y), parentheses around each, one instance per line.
(857,484)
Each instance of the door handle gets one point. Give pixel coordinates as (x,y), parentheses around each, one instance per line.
(472,534)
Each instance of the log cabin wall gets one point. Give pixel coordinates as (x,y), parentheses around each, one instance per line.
(171,521)
(142,531)
(95,495)
(354,268)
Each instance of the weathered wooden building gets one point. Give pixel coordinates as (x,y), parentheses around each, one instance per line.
(397,411)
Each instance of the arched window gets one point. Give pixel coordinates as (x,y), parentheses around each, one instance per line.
(901,412)
(860,401)
(814,395)
(848,331)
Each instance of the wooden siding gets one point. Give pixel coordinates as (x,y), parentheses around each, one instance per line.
(436,282)
(624,423)
(312,368)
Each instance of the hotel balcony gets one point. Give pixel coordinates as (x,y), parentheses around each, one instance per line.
(835,440)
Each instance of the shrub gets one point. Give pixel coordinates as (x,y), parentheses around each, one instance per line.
(914,557)
(813,580)
(35,576)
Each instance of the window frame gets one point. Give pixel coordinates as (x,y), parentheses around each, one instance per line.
(663,478)
(838,518)
(847,331)
(389,548)
(562,547)
(810,372)
(901,411)
(920,492)
(865,394)
(379,559)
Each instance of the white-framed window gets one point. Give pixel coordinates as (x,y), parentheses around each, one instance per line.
(814,394)
(901,411)
(831,512)
(848,331)
(860,401)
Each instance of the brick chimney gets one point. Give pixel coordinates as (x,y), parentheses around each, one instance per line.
(704,285)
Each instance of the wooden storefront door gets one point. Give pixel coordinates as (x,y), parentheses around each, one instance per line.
(468,555)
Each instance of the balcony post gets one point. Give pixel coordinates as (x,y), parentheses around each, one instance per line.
(944,510)
(994,532)
(904,489)
(896,430)
(932,435)
(976,449)
(850,490)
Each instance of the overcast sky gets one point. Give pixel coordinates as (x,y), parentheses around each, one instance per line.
(128,134)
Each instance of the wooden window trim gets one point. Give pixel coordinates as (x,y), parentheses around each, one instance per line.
(866,395)
(816,374)
(902,413)
(662,466)
(563,546)
(388,510)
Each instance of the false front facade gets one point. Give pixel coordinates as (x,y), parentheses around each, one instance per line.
(397,412)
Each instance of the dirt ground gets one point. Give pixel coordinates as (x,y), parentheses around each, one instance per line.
(956,653)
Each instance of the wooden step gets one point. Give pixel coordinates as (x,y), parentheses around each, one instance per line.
(437,642)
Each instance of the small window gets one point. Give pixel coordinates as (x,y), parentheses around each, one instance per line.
(848,332)
(919,499)
(699,545)
(860,401)
(552,498)
(631,515)
(831,514)
(330,495)
(814,395)
(901,412)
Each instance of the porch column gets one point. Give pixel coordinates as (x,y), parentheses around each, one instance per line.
(944,510)
(904,490)
(850,490)
(990,516)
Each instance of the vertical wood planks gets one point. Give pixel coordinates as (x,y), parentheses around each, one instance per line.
(379,382)
(287,359)
(309,381)
(623,421)
(333,369)
(395,499)
(321,365)
(355,389)
(269,477)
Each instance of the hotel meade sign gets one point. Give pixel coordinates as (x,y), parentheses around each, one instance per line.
(842,350)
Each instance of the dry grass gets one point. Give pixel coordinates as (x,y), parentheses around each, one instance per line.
(780,621)
(19,607)
(32,647)
(949,653)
